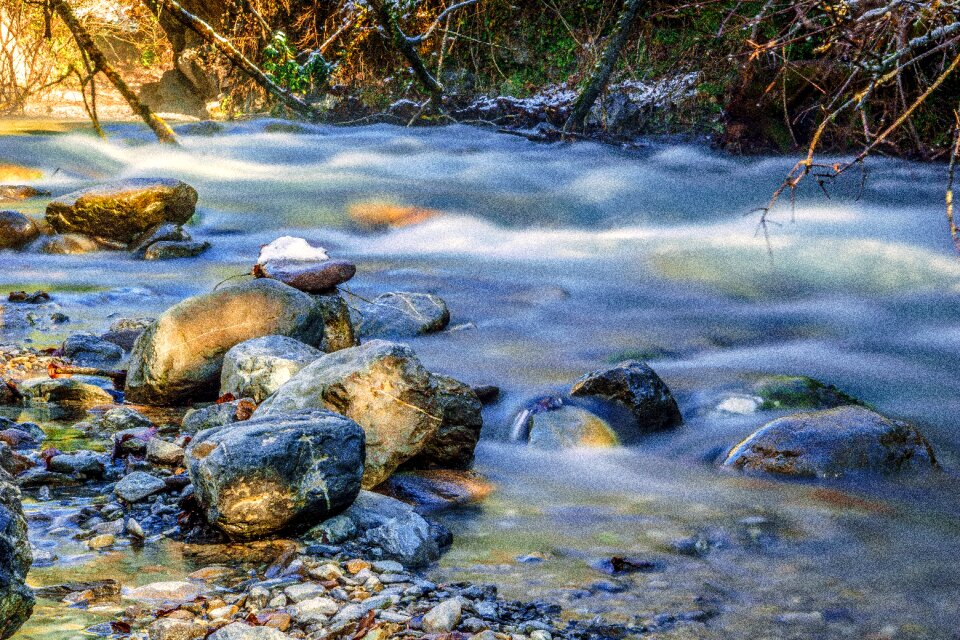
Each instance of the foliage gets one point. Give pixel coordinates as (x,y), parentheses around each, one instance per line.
(280,64)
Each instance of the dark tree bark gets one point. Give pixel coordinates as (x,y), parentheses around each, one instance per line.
(208,34)
(388,20)
(601,75)
(160,128)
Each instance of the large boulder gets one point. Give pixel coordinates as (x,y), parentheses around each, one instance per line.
(382,386)
(16,599)
(401,314)
(636,387)
(123,211)
(456,439)
(179,357)
(16,230)
(258,367)
(277,472)
(833,443)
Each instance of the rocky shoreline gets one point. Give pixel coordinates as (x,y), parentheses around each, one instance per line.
(293,413)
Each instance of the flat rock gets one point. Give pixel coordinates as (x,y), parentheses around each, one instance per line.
(241,631)
(179,357)
(13,192)
(124,210)
(64,391)
(166,592)
(88,350)
(312,277)
(833,443)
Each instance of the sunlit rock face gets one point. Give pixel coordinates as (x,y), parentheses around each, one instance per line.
(16,599)
(179,357)
(382,386)
(833,443)
(123,211)
(278,472)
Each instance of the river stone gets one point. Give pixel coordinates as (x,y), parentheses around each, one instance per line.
(401,314)
(11,192)
(16,230)
(832,443)
(138,486)
(125,331)
(173,629)
(214,415)
(165,231)
(312,277)
(87,350)
(258,367)
(338,330)
(443,617)
(88,464)
(64,391)
(436,489)
(16,599)
(66,244)
(163,452)
(634,385)
(241,631)
(166,592)
(395,528)
(124,419)
(569,427)
(173,249)
(12,462)
(382,386)
(277,472)
(456,439)
(179,357)
(123,211)
(800,392)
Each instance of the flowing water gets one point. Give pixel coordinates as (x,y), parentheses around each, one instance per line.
(556,260)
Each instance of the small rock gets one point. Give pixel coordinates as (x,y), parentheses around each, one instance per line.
(64,391)
(16,230)
(635,386)
(134,529)
(171,249)
(240,631)
(163,452)
(173,629)
(568,427)
(139,485)
(67,244)
(162,232)
(101,541)
(443,618)
(124,419)
(13,192)
(172,592)
(401,314)
(83,463)
(87,350)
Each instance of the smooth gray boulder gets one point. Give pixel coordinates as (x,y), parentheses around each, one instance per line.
(214,415)
(277,472)
(401,315)
(637,388)
(124,210)
(382,386)
(16,598)
(258,367)
(179,357)
(833,443)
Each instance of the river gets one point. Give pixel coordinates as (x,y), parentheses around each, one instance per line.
(556,260)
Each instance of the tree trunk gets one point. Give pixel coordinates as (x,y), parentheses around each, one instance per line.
(388,20)
(207,33)
(160,128)
(601,75)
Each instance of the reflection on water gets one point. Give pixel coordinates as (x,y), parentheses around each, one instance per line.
(558,259)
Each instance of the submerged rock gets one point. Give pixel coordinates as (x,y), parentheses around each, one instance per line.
(16,598)
(138,486)
(164,232)
(800,392)
(281,471)
(437,489)
(382,386)
(376,214)
(401,314)
(241,631)
(123,211)
(568,427)
(258,367)
(832,443)
(452,447)
(636,387)
(179,357)
(16,230)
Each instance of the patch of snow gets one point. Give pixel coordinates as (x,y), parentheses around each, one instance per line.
(291,249)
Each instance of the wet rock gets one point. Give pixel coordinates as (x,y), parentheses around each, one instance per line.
(338,330)
(800,392)
(138,486)
(16,230)
(166,592)
(382,386)
(12,462)
(163,452)
(123,211)
(173,629)
(87,350)
(275,472)
(11,192)
(67,244)
(87,464)
(312,277)
(395,528)
(179,357)
(833,443)
(171,249)
(124,419)
(101,542)
(16,599)
(443,618)
(164,232)
(258,367)
(202,128)
(565,427)
(17,438)
(125,331)
(437,489)
(214,415)
(68,391)
(635,386)
(241,631)
(453,445)
(401,314)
